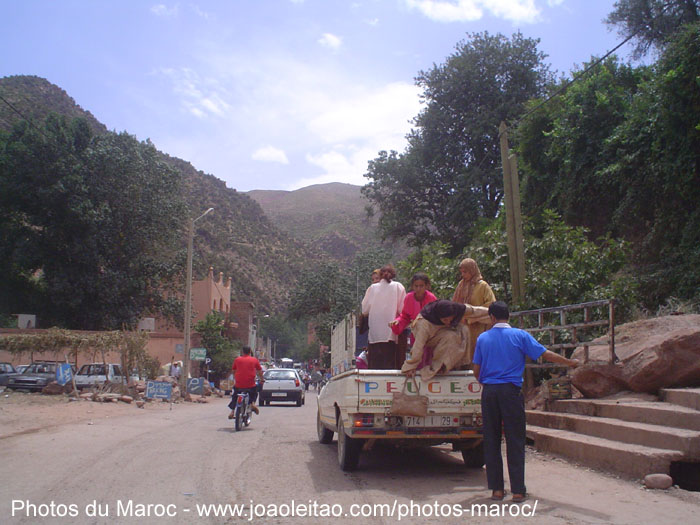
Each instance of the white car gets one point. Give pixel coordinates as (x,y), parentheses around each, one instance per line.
(95,374)
(282,384)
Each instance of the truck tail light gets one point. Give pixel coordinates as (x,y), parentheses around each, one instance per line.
(363,420)
(296,382)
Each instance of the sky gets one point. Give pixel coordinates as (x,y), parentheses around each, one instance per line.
(272,94)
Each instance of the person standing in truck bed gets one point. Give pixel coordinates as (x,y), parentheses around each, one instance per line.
(474,291)
(382,303)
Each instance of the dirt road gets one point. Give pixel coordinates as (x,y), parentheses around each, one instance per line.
(162,466)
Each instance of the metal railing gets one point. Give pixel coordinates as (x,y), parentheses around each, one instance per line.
(564,334)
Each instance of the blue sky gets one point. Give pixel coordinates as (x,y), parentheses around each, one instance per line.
(272,94)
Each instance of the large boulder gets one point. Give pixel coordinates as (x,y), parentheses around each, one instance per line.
(662,352)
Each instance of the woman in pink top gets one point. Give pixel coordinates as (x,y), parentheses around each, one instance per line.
(414,303)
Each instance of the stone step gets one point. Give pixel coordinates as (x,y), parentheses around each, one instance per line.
(687,397)
(652,412)
(631,460)
(655,436)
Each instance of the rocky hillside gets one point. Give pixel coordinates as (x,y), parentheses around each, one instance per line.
(237,239)
(331,217)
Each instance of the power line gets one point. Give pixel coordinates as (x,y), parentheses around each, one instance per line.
(29,120)
(575,78)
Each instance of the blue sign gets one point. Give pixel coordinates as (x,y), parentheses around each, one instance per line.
(158,390)
(64,374)
(195,385)
(179,348)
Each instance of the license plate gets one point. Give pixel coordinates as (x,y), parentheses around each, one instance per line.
(430,421)
(279,394)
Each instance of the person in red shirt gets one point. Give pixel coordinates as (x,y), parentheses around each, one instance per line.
(245,368)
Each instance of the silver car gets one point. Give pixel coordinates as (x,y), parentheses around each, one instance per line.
(282,384)
(6,371)
(35,377)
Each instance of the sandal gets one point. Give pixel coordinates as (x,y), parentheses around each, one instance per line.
(498,495)
(519,498)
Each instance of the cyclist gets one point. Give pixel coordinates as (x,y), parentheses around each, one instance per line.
(245,369)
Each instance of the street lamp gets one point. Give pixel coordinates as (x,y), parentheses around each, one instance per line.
(188,304)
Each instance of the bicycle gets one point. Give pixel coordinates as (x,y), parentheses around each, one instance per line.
(243,411)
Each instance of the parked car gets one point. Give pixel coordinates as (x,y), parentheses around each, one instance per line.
(35,377)
(95,374)
(282,384)
(6,371)
(21,368)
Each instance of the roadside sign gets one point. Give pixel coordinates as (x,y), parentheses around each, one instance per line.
(195,385)
(64,374)
(207,360)
(158,390)
(179,348)
(198,354)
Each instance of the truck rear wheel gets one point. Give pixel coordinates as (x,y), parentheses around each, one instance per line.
(325,436)
(474,457)
(348,449)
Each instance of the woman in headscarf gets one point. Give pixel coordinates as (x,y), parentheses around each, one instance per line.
(382,303)
(472,290)
(438,326)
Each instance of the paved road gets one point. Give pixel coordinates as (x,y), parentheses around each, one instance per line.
(155,462)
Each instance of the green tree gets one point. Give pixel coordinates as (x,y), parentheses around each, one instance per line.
(565,151)
(658,164)
(563,265)
(653,22)
(220,349)
(449,175)
(89,224)
(327,293)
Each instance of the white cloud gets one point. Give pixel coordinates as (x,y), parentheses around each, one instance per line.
(270,154)
(554,3)
(163,10)
(330,40)
(355,126)
(382,113)
(317,112)
(470,10)
(372,22)
(200,97)
(200,12)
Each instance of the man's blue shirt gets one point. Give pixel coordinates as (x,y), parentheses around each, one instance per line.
(501,354)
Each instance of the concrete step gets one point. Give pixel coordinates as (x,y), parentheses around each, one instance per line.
(631,460)
(652,412)
(687,397)
(655,436)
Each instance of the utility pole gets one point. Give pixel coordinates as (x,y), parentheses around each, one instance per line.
(514,222)
(188,305)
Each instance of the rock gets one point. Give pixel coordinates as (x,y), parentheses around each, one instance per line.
(86,395)
(202,400)
(53,389)
(206,389)
(663,352)
(596,380)
(140,404)
(126,399)
(658,481)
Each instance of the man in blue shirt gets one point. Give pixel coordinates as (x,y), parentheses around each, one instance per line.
(499,362)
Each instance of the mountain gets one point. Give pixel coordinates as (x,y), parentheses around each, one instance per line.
(237,238)
(331,217)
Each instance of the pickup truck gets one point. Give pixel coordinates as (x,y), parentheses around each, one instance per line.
(357,406)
